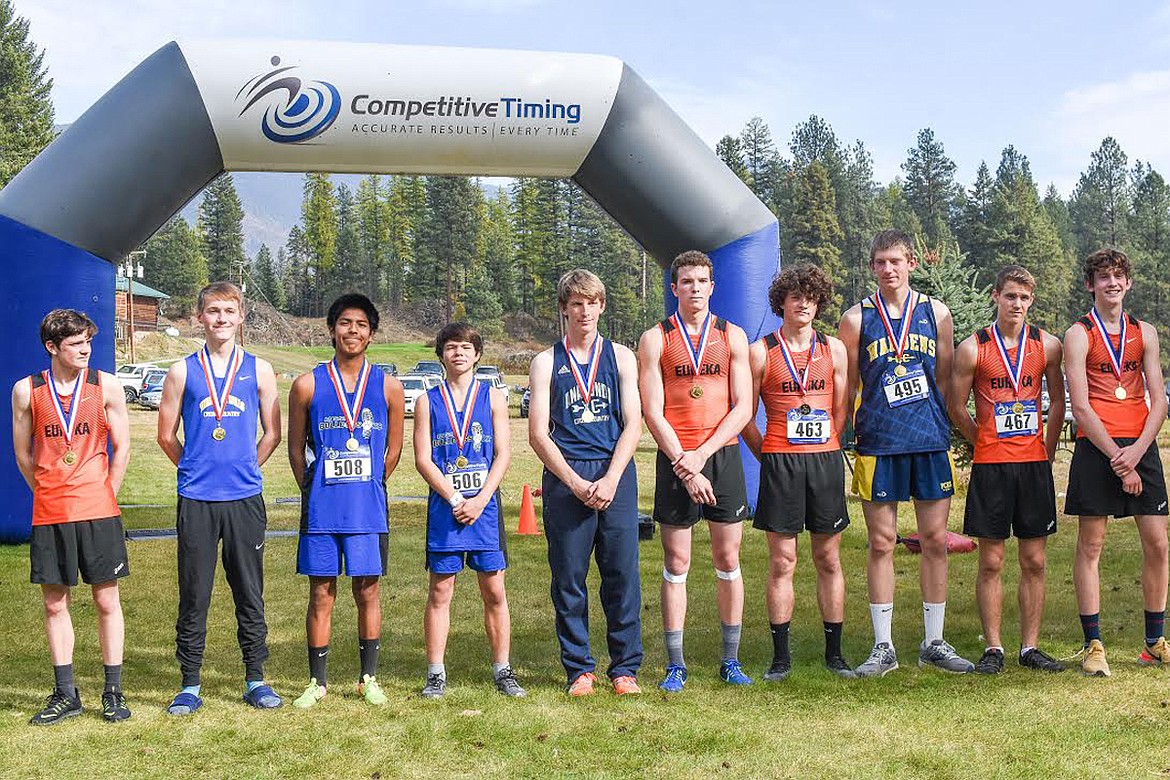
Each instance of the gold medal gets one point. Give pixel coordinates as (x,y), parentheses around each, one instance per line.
(1120,393)
(461,462)
(219,434)
(351,444)
(805,409)
(588,416)
(69,458)
(899,370)
(696,391)
(1018,408)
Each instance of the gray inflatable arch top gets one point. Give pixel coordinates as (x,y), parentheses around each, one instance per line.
(191,111)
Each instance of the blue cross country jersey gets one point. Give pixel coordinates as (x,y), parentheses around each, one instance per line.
(887,424)
(226,469)
(345,493)
(467,470)
(585,431)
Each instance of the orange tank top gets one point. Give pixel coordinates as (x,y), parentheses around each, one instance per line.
(695,404)
(781,394)
(1001,438)
(70,492)
(1123,418)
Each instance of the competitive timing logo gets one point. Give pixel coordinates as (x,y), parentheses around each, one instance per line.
(305,110)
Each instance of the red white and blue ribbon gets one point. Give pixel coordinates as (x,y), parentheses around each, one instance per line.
(695,353)
(219,401)
(359,394)
(459,427)
(1014,372)
(800,379)
(897,344)
(585,383)
(67,420)
(1114,356)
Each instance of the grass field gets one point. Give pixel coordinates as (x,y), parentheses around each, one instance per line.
(913,723)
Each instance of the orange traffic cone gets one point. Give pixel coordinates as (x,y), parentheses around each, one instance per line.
(527,525)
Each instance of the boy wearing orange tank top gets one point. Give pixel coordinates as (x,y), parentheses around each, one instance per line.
(1119,401)
(62,421)
(800,375)
(1011,488)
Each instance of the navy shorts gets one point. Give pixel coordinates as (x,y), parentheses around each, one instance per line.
(927,476)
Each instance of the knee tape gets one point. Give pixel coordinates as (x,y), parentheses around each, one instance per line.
(674,579)
(728,576)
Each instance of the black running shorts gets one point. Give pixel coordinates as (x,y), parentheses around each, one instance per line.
(802,490)
(673,505)
(1006,499)
(96,547)
(1095,491)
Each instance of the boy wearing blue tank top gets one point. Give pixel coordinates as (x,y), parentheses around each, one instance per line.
(462,448)
(344,441)
(901,345)
(218,395)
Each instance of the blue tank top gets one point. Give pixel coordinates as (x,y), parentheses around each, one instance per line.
(224,470)
(345,493)
(884,428)
(580,431)
(444,533)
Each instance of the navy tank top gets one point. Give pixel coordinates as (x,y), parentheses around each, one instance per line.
(585,431)
(466,468)
(226,469)
(345,493)
(898,415)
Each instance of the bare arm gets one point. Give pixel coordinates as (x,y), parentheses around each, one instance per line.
(962,378)
(299,398)
(539,378)
(170,410)
(758,360)
(840,411)
(396,416)
(1076,351)
(22,429)
(269,411)
(118,424)
(849,332)
(653,396)
(1053,352)
(944,347)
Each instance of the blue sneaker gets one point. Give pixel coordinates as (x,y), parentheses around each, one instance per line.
(731,672)
(262,697)
(184,704)
(675,679)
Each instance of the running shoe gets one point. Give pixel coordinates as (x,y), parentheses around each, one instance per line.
(507,684)
(838,666)
(436,686)
(941,655)
(313,694)
(732,673)
(57,708)
(114,707)
(1093,664)
(369,690)
(1041,661)
(991,662)
(262,697)
(626,685)
(778,671)
(583,685)
(675,679)
(882,660)
(1157,654)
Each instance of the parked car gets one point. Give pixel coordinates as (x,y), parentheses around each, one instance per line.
(524,401)
(151,394)
(496,381)
(131,377)
(390,369)
(428,368)
(488,372)
(412,387)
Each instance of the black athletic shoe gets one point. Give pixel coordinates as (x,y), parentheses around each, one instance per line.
(58,707)
(840,667)
(778,671)
(1038,659)
(991,662)
(114,706)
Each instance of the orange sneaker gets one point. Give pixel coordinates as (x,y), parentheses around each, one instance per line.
(625,686)
(583,685)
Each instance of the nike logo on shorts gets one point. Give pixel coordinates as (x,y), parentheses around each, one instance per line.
(741,510)
(259,545)
(839,521)
(119,567)
(1161,506)
(1051,523)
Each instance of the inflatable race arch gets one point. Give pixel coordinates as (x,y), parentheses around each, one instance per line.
(191,111)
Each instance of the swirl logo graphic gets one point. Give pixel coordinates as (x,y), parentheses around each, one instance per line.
(305,110)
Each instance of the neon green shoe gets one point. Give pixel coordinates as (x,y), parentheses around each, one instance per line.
(313,694)
(371,691)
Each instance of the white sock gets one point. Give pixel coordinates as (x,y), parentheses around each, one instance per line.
(882,616)
(933,616)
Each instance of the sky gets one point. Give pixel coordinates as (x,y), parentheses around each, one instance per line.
(1052,79)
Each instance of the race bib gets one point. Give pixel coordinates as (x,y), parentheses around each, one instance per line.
(469,481)
(905,384)
(348,467)
(807,425)
(1018,418)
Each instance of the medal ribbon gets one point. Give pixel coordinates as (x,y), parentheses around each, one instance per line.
(1014,372)
(359,393)
(1114,357)
(585,384)
(74,405)
(459,428)
(800,379)
(694,353)
(898,345)
(219,402)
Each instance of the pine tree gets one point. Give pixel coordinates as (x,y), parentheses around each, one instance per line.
(447,243)
(264,277)
(407,207)
(760,158)
(930,186)
(1100,202)
(481,304)
(974,229)
(319,233)
(943,273)
(373,231)
(857,212)
(26,122)
(497,251)
(1149,227)
(221,229)
(816,234)
(730,151)
(176,265)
